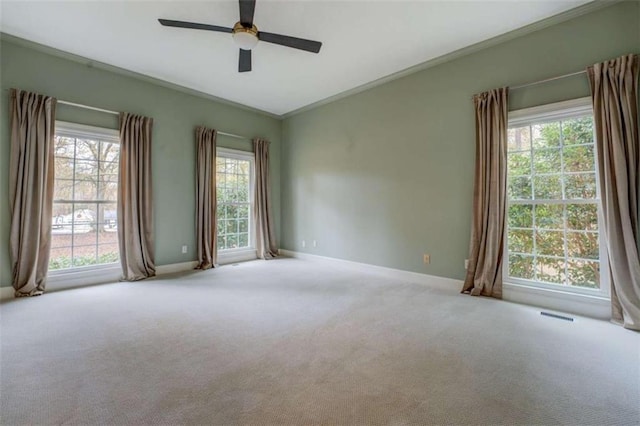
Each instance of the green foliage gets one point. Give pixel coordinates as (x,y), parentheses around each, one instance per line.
(560,166)
(65,262)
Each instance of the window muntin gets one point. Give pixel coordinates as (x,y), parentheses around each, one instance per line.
(234,194)
(553,201)
(84,221)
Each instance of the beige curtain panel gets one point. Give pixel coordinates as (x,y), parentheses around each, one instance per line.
(31,177)
(484,274)
(265,232)
(206,221)
(135,200)
(614,91)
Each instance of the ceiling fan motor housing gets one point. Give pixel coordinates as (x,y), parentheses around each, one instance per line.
(245,37)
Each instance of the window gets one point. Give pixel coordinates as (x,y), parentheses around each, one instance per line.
(234,188)
(84,223)
(553,199)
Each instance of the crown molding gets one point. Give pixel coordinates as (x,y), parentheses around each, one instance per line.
(127,73)
(494,41)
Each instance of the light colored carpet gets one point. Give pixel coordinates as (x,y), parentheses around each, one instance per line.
(306,342)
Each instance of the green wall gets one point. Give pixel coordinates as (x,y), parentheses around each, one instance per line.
(386,175)
(175,114)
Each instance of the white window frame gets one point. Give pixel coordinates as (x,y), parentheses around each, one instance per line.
(241,253)
(90,274)
(546,113)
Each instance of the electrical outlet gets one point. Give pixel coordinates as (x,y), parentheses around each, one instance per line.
(184,249)
(466,264)
(304,243)
(315,244)
(426,259)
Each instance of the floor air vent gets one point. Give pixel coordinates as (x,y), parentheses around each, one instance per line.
(562,317)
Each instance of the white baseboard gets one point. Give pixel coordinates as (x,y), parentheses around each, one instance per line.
(414,277)
(172,268)
(563,302)
(6,293)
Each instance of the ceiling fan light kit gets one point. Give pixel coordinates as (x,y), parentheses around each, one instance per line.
(246,35)
(245,38)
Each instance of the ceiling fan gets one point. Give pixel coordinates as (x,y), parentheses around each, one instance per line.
(246,34)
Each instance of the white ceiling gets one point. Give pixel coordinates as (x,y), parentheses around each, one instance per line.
(362,40)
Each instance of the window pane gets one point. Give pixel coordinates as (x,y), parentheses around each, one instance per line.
(520,241)
(84,255)
(232,241)
(521,267)
(553,161)
(230,211)
(550,216)
(550,243)
(86,170)
(519,139)
(85,190)
(550,270)
(64,146)
(232,226)
(583,244)
(109,154)
(548,187)
(107,191)
(546,135)
(577,131)
(580,186)
(59,240)
(519,163)
(64,167)
(582,217)
(579,158)
(63,189)
(233,186)
(520,216)
(584,273)
(547,161)
(83,230)
(62,218)
(82,239)
(108,253)
(107,218)
(243,211)
(520,188)
(86,149)
(60,258)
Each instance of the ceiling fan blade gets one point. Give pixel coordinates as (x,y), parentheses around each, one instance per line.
(247,7)
(193,25)
(296,43)
(244,63)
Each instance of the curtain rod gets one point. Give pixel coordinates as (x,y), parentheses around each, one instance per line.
(107,111)
(546,80)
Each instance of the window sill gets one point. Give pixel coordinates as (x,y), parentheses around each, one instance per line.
(86,275)
(236,255)
(595,306)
